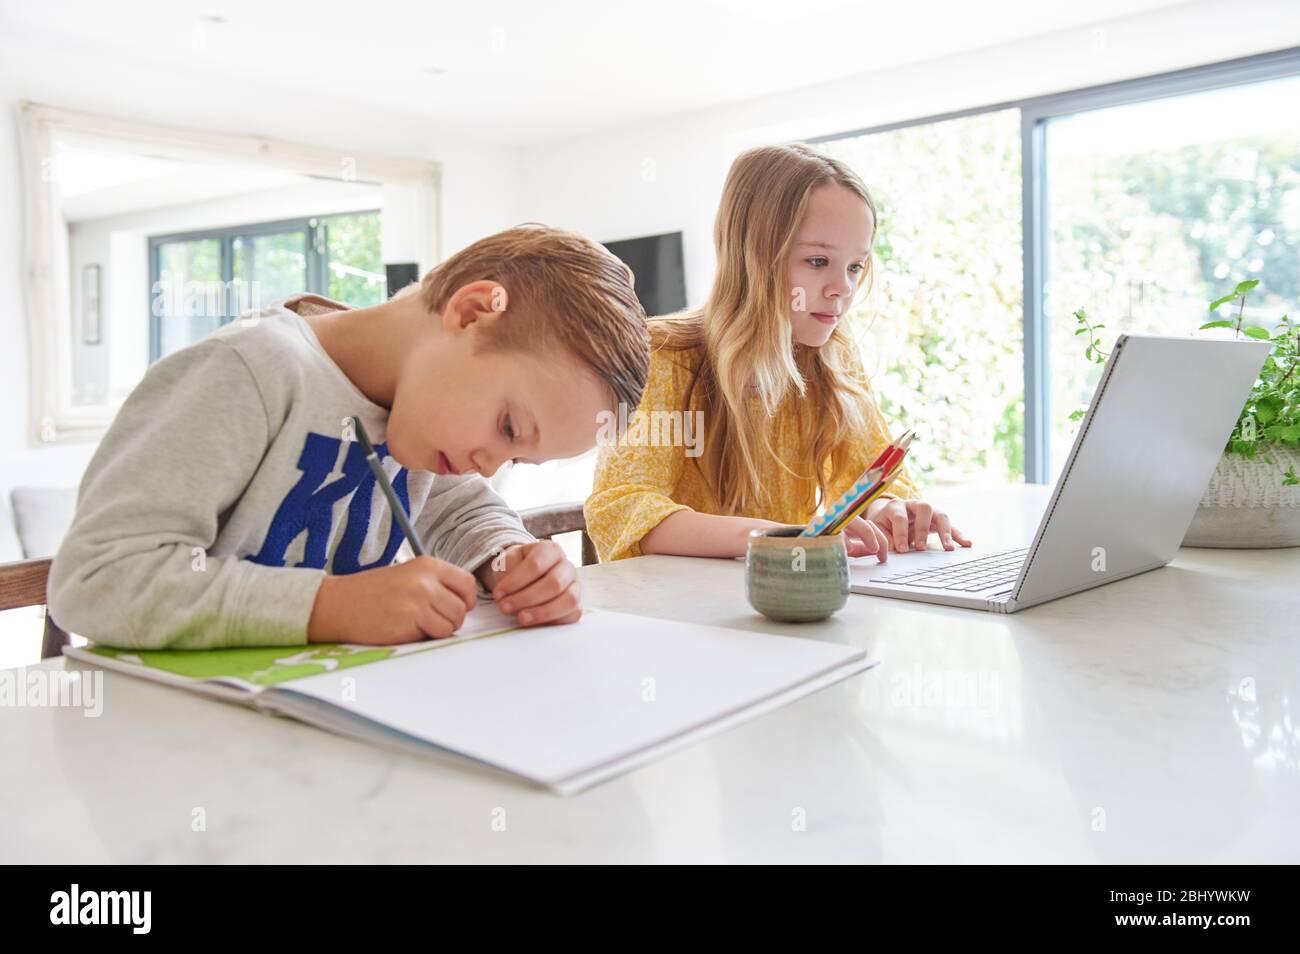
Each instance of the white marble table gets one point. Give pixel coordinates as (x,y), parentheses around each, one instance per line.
(1153,720)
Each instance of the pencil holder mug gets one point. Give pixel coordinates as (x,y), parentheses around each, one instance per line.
(794,579)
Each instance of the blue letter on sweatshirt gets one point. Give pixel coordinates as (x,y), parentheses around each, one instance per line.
(309,506)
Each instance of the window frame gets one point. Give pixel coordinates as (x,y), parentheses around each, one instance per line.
(315,242)
(1035,112)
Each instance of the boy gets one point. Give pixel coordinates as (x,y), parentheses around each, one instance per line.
(229,505)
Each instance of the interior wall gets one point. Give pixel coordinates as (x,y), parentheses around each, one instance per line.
(667,176)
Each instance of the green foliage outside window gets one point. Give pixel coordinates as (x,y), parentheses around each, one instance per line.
(355,270)
(942,328)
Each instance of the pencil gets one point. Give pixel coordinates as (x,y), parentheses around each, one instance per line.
(862,503)
(399,512)
(879,475)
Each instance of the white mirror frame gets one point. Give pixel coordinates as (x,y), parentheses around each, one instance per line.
(53,417)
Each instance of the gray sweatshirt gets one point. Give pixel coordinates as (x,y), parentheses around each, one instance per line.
(225,490)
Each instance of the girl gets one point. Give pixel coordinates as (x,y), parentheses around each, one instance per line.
(770,370)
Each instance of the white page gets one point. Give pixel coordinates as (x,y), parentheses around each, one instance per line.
(483,619)
(554,703)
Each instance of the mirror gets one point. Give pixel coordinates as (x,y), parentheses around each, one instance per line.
(142,240)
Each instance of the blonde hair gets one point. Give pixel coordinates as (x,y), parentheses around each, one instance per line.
(561,289)
(744,332)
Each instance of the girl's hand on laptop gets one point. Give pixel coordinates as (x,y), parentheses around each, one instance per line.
(863,538)
(539,585)
(403,603)
(909,523)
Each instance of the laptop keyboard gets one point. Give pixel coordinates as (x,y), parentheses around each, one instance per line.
(969,576)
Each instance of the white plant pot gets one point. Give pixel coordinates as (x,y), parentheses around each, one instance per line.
(1246,506)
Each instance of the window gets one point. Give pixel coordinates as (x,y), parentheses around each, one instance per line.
(200,281)
(1139,201)
(941,329)
(1154,208)
(183,319)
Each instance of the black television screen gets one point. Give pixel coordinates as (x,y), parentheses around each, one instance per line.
(656,261)
(399,275)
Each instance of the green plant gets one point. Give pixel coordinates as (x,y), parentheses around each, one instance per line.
(1241,291)
(1271,415)
(1272,412)
(1093,352)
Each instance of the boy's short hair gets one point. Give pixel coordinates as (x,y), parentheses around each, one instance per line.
(561,289)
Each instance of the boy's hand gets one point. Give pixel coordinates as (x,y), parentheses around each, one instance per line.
(405,603)
(538,585)
(909,523)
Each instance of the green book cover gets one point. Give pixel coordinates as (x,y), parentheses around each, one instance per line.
(261,667)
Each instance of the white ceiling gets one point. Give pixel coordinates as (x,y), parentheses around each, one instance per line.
(523,71)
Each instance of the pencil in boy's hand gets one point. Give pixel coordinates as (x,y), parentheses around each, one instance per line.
(385,485)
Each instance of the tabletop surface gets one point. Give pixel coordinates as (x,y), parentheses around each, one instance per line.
(1145,721)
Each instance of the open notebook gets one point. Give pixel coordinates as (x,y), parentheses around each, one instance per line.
(563,706)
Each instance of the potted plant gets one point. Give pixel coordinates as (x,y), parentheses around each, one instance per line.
(1253,500)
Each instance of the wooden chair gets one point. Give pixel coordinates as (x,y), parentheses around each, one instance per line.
(23,584)
(547,522)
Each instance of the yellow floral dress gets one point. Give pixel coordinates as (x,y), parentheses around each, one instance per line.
(636,487)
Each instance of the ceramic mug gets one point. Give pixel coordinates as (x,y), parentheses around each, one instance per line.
(795,579)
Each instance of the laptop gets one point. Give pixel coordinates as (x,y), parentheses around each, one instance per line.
(1141,461)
